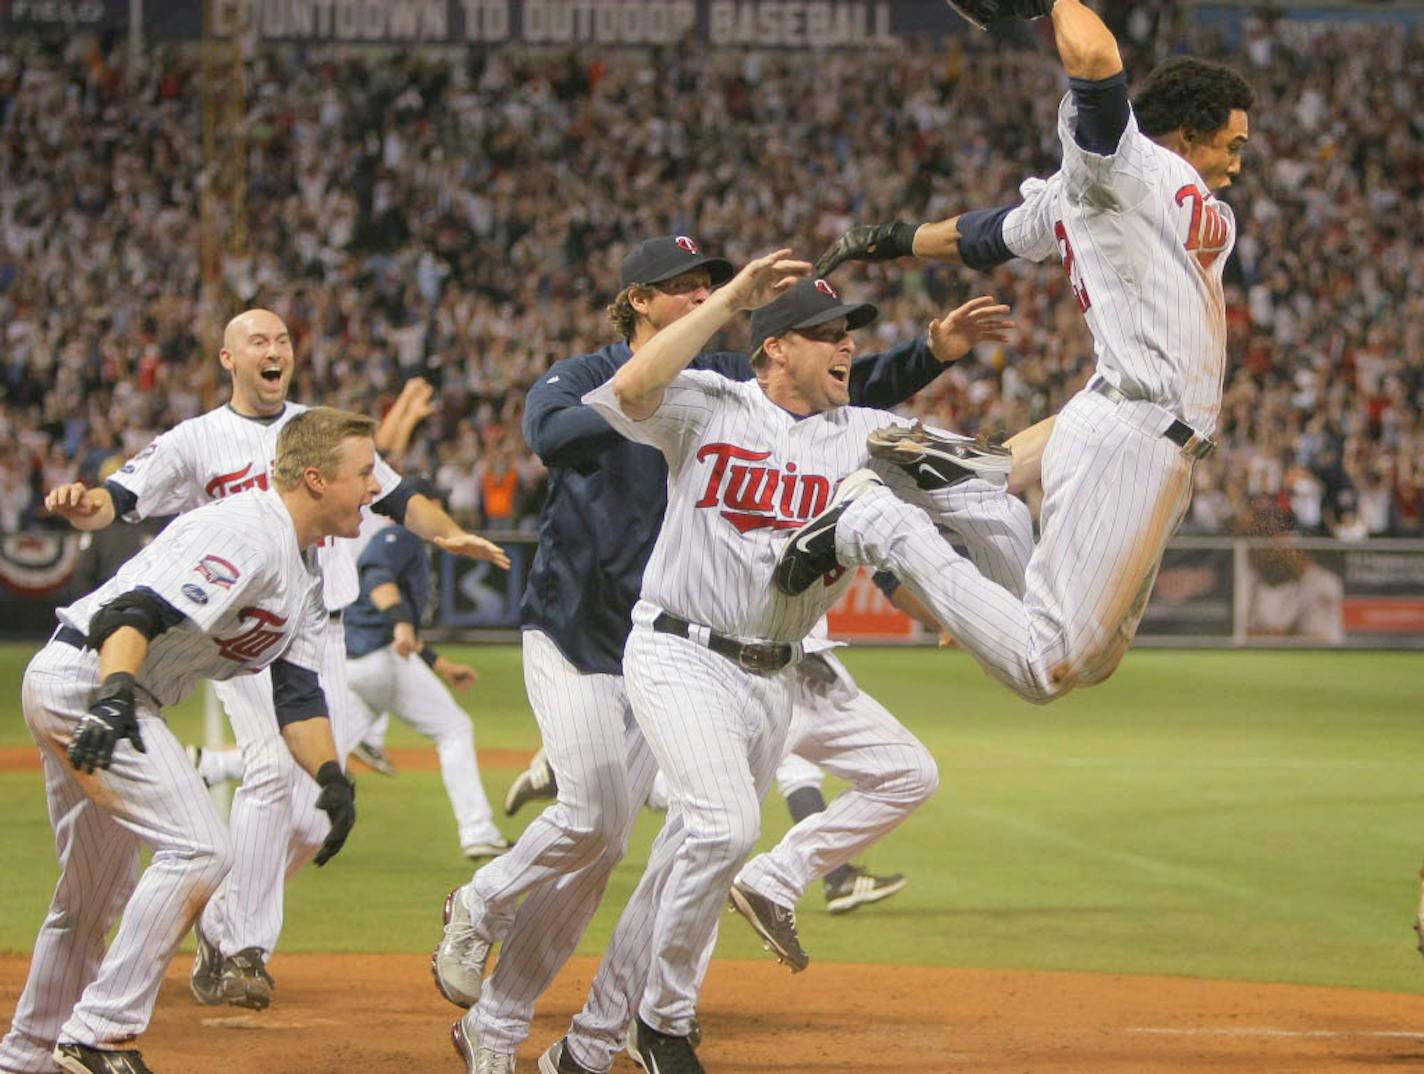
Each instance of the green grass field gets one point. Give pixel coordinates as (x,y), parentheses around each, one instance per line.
(1238,815)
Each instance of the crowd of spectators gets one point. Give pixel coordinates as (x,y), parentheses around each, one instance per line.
(462,218)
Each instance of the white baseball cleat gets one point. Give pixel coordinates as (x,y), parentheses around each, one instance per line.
(460,958)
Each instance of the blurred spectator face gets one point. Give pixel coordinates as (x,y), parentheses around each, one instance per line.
(1217,157)
(257,351)
(663,303)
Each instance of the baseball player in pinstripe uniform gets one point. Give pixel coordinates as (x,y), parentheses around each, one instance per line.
(707,665)
(600,520)
(275,827)
(228,589)
(1143,239)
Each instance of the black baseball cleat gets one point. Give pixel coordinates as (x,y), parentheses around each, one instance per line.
(245,980)
(775,924)
(811,552)
(694,1038)
(935,461)
(205,982)
(82,1059)
(663,1053)
(557,1060)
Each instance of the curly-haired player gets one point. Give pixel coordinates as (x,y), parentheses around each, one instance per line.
(1143,239)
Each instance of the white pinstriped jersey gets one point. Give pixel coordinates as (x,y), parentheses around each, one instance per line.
(221,453)
(234,570)
(742,472)
(1143,243)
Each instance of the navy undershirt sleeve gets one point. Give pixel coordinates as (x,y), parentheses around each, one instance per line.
(296,693)
(1103,111)
(394,503)
(124,499)
(981,238)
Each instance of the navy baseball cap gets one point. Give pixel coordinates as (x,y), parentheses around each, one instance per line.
(807,304)
(656,260)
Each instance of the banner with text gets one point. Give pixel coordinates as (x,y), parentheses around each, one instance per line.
(780,24)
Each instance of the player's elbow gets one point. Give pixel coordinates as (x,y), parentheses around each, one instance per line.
(636,398)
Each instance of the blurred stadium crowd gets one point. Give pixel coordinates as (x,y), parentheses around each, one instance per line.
(462,219)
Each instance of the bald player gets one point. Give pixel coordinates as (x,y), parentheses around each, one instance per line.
(274,823)
(228,589)
(1134,217)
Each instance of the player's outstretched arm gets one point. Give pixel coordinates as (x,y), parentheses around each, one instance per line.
(83,507)
(1085,44)
(980,320)
(640,381)
(425,518)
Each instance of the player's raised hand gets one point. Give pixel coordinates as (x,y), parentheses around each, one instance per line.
(74,500)
(764,279)
(979,320)
(472,546)
(868,242)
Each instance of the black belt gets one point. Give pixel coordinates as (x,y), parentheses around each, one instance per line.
(69,636)
(1179,432)
(763,658)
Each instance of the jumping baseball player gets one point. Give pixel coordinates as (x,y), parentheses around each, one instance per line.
(226,590)
(274,823)
(600,520)
(1143,240)
(392,670)
(707,663)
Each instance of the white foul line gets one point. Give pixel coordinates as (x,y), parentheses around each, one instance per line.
(1168,1031)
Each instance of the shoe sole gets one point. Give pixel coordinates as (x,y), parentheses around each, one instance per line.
(741,906)
(906,447)
(435,965)
(847,903)
(521,794)
(851,487)
(461,1044)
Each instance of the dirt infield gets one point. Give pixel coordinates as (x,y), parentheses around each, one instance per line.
(380,1014)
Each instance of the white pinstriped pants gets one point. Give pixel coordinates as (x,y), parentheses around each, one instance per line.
(561,864)
(718,733)
(75,991)
(275,825)
(1115,490)
(890,772)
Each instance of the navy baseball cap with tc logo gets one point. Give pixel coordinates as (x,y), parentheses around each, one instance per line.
(807,304)
(656,260)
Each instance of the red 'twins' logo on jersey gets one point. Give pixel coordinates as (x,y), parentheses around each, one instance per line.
(1209,233)
(760,497)
(237,481)
(256,639)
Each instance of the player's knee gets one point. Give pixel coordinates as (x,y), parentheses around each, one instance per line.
(922,777)
(266,774)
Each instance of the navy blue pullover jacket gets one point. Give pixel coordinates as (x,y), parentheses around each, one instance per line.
(396,555)
(607,495)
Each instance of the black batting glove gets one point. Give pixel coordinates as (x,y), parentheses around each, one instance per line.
(868,242)
(338,801)
(109,719)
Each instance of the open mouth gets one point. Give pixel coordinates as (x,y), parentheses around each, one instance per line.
(840,373)
(272,374)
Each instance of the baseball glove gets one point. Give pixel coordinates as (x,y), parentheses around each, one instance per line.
(108,720)
(338,801)
(868,242)
(983,12)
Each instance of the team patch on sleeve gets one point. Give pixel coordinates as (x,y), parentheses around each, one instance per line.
(196,593)
(218,571)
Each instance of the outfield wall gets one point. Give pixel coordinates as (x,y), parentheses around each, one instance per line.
(1212,591)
